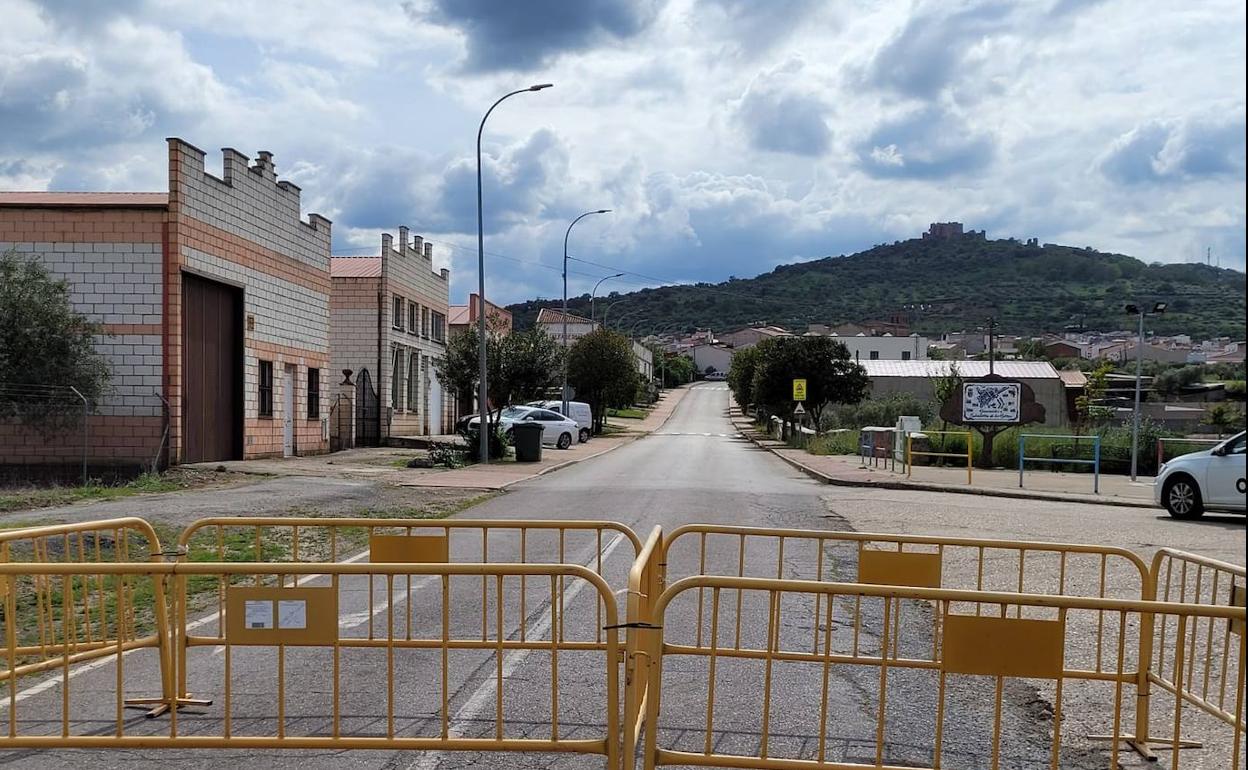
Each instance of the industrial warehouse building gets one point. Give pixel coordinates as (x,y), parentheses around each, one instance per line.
(916,378)
(213,300)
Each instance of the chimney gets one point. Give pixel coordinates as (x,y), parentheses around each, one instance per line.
(418,244)
(428,250)
(446,274)
(264,162)
(403,231)
(387,244)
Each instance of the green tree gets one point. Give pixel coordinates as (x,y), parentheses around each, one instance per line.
(602,370)
(831,375)
(1089,408)
(741,375)
(458,367)
(946,388)
(526,365)
(1032,350)
(676,369)
(43,342)
(1171,382)
(1224,418)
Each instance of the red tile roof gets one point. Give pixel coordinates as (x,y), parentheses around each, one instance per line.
(548,315)
(355,267)
(60,199)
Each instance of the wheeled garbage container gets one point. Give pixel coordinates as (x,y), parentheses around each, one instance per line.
(528,441)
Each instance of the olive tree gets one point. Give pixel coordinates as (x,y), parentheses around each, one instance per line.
(46,349)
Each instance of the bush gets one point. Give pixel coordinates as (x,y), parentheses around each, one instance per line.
(877,411)
(843,442)
(499,442)
(447,455)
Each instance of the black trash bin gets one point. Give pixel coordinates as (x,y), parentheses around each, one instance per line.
(528,441)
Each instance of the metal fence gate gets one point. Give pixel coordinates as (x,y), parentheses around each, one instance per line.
(367,411)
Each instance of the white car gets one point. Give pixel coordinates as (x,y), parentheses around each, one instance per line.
(577,410)
(1191,484)
(556,429)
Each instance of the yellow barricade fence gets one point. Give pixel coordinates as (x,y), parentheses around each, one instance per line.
(298,665)
(289,539)
(1197,662)
(74,621)
(645,583)
(942,688)
(970,450)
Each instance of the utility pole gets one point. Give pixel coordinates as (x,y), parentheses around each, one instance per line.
(992,347)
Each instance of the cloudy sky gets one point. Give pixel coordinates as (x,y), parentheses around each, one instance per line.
(729,136)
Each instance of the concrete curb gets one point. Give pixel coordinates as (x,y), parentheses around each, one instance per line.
(920,486)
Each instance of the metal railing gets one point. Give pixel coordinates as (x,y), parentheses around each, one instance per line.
(280,612)
(1161,445)
(911,454)
(958,648)
(645,583)
(1095,462)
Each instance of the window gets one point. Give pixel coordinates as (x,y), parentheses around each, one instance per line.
(439,327)
(266,389)
(424,322)
(412,307)
(396,381)
(875,355)
(905,355)
(314,394)
(397,316)
(413,382)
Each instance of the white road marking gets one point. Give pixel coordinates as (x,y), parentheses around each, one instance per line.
(483,696)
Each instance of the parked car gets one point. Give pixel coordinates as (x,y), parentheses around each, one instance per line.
(578,411)
(556,429)
(716,376)
(1212,479)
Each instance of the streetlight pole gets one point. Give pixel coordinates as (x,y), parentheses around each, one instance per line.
(594,293)
(483,388)
(607,312)
(564,391)
(1158,309)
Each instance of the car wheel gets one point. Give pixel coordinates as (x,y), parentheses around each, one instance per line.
(565,440)
(584,436)
(1182,498)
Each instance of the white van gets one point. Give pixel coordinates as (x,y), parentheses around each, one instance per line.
(580,412)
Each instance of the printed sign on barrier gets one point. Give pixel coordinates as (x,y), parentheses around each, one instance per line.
(992,646)
(260,615)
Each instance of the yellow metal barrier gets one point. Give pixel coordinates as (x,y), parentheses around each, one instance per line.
(970,448)
(942,688)
(1202,659)
(291,539)
(353,683)
(74,621)
(645,583)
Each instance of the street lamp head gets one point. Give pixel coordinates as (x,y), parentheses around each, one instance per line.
(1159,307)
(1132,309)
(617,275)
(540,86)
(603,211)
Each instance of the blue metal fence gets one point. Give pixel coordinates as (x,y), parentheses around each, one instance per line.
(1095,462)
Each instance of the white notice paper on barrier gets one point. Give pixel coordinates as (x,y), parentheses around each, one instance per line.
(258,614)
(292,613)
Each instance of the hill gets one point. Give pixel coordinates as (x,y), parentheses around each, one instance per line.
(945,285)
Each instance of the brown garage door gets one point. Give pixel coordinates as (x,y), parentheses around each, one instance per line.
(212,370)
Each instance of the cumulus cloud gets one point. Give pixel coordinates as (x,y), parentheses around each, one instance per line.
(1177,150)
(505,35)
(927,143)
(780,114)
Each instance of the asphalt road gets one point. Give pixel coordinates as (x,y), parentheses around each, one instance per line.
(692,470)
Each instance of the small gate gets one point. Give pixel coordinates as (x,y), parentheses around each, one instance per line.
(367,411)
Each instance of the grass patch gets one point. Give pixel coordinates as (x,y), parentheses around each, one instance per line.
(844,443)
(24,499)
(629,413)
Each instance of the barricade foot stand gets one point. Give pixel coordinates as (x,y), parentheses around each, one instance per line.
(1145,747)
(162,706)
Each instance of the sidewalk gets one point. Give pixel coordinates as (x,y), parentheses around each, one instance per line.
(500,475)
(1039,484)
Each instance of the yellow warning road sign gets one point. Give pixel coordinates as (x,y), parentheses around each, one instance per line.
(799,390)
